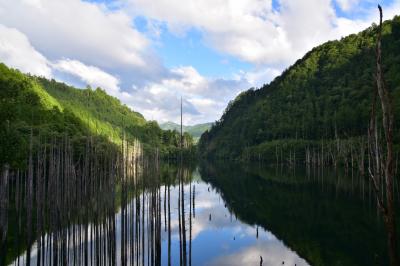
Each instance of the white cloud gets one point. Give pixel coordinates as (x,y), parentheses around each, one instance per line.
(186,79)
(240,28)
(204,98)
(89,32)
(16,51)
(92,75)
(252,30)
(260,76)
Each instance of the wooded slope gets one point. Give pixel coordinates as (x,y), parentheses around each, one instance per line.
(325,95)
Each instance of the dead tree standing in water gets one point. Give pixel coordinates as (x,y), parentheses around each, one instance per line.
(381,165)
(3,210)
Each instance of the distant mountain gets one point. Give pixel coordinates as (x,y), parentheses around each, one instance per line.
(195,130)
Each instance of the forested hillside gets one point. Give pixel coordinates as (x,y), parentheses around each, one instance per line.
(53,109)
(323,100)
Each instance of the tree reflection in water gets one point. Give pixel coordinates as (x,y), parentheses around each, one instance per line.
(160,215)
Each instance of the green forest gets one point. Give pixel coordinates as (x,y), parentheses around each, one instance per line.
(47,109)
(321,102)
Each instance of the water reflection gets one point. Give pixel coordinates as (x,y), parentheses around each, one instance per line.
(219,238)
(213,215)
(168,216)
(328,218)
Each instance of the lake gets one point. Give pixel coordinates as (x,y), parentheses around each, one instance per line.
(207,214)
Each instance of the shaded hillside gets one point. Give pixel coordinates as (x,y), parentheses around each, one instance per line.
(325,95)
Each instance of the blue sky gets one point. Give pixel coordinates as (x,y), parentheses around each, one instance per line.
(191,50)
(149,54)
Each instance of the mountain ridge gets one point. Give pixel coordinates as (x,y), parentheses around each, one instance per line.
(194,130)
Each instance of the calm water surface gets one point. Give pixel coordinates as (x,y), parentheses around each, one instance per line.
(220,214)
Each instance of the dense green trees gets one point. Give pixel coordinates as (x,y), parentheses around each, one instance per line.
(50,108)
(326,95)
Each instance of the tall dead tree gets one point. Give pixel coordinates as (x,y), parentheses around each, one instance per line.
(381,159)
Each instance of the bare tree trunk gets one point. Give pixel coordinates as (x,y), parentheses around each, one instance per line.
(3,211)
(183,222)
(169,223)
(386,174)
(179,222)
(29,202)
(190,222)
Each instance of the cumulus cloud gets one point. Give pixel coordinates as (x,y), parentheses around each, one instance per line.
(230,26)
(16,51)
(203,98)
(89,32)
(92,75)
(259,77)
